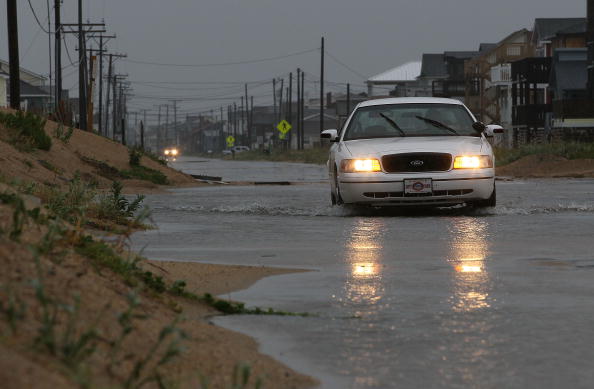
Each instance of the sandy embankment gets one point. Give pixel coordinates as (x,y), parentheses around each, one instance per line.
(548,166)
(208,351)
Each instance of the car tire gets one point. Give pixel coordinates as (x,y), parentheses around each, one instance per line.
(488,203)
(337,198)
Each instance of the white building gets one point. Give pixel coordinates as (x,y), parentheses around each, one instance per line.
(402,78)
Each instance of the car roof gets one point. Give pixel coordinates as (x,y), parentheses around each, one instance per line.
(409,100)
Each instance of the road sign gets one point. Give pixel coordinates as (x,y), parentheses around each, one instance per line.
(284,126)
(230,141)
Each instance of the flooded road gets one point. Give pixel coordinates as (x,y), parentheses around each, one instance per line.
(442,299)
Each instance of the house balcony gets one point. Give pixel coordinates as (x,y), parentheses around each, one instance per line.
(501,74)
(573,108)
(534,70)
(532,115)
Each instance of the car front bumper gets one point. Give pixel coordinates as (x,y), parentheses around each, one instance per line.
(449,188)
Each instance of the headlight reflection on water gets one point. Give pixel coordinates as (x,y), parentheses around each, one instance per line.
(468,252)
(364,255)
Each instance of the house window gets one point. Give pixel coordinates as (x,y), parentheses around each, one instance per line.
(514,51)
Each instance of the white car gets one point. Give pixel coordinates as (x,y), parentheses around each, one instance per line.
(412,151)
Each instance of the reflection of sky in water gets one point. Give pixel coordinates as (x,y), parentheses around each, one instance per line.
(468,251)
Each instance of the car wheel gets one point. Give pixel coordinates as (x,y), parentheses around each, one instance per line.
(336,196)
(490,202)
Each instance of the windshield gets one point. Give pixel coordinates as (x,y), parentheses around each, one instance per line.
(386,121)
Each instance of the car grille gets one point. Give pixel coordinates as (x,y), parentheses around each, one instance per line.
(451,192)
(417,162)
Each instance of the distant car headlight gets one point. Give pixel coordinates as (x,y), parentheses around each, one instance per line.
(360,165)
(166,152)
(174,151)
(473,162)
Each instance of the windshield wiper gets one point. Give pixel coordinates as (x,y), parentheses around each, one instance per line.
(435,123)
(392,123)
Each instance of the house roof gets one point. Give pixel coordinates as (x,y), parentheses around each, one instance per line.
(30,90)
(461,54)
(405,72)
(29,72)
(483,47)
(545,28)
(433,66)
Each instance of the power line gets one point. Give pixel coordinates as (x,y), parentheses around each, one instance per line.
(37,19)
(346,66)
(223,63)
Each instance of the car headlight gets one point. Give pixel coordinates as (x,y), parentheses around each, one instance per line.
(360,165)
(166,152)
(473,162)
(174,151)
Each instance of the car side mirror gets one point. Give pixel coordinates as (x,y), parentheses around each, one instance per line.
(331,135)
(479,126)
(493,129)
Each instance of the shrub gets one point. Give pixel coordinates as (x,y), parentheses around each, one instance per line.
(115,206)
(147,174)
(28,130)
(135,156)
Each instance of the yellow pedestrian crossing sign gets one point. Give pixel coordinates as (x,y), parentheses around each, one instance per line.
(284,127)
(230,141)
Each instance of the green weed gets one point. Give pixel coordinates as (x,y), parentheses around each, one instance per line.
(72,204)
(13,309)
(135,155)
(569,150)
(73,345)
(115,206)
(63,135)
(172,350)
(315,155)
(27,130)
(19,214)
(146,174)
(50,166)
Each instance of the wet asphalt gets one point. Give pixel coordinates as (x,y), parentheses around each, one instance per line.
(446,298)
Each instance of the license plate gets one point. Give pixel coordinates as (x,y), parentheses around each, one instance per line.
(418,186)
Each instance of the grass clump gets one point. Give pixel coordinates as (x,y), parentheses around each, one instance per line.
(62,134)
(569,150)
(26,130)
(135,155)
(316,155)
(116,207)
(145,173)
(72,204)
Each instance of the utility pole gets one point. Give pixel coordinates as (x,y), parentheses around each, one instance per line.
(109,77)
(103,130)
(290,105)
(175,134)
(322,87)
(82,104)
(13,54)
(249,130)
(58,57)
(142,131)
(298,121)
(273,103)
(167,123)
(302,119)
(159,131)
(251,117)
(348,102)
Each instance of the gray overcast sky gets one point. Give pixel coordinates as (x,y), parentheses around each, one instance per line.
(368,36)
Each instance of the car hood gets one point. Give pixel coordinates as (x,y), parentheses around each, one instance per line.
(457,145)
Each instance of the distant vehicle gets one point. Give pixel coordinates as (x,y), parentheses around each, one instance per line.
(412,151)
(236,149)
(241,149)
(171,153)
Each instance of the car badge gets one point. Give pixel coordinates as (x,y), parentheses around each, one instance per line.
(417,163)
